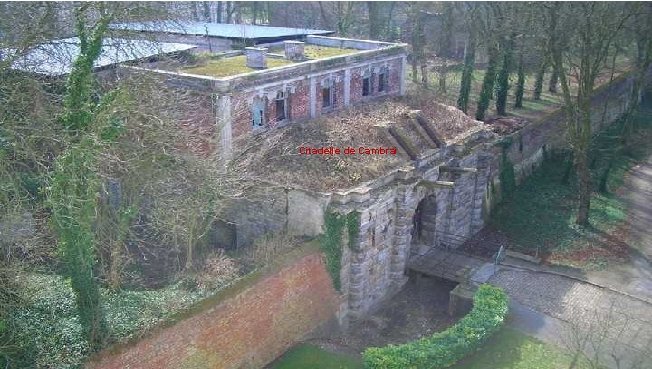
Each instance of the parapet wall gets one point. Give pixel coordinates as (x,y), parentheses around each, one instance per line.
(245,326)
(527,147)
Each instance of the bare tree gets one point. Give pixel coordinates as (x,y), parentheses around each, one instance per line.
(591,30)
(608,337)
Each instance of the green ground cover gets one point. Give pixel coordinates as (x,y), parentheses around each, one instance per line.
(230,66)
(305,356)
(510,349)
(507,349)
(49,324)
(540,213)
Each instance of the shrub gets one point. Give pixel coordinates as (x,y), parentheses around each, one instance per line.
(218,270)
(444,349)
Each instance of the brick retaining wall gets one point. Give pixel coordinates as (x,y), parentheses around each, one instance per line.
(245,326)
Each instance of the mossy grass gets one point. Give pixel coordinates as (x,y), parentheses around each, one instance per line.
(230,66)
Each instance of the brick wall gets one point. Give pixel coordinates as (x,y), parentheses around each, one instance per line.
(246,326)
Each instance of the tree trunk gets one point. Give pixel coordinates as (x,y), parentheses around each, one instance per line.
(520,84)
(424,74)
(229,11)
(443,74)
(415,68)
(467,76)
(503,77)
(220,7)
(538,82)
(254,10)
(584,187)
(375,23)
(554,79)
(207,11)
(487,83)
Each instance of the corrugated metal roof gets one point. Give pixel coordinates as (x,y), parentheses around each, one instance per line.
(222,30)
(57,57)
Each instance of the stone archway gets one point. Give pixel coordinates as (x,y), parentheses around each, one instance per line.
(424,222)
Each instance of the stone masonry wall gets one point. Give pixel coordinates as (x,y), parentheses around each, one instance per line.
(246,326)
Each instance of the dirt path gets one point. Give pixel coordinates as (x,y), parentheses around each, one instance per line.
(639,196)
(635,276)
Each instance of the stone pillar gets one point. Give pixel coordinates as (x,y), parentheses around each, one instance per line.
(313,97)
(256,57)
(294,50)
(482,181)
(223,122)
(401,242)
(347,87)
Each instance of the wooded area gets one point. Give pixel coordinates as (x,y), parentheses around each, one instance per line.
(93,181)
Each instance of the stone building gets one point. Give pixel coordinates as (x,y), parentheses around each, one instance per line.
(259,88)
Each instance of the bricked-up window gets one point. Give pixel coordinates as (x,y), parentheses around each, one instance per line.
(326,97)
(328,94)
(281,104)
(382,80)
(258,112)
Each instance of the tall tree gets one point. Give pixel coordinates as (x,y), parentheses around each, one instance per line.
(470,11)
(520,82)
(374,10)
(581,36)
(74,182)
(491,18)
(502,87)
(488,82)
(538,79)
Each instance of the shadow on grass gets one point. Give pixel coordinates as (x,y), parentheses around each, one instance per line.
(539,216)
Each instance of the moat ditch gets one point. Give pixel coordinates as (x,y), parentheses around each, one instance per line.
(419,309)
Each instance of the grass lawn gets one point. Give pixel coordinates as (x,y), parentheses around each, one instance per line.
(306,356)
(509,349)
(540,213)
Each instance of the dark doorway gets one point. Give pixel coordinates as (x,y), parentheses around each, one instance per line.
(424,222)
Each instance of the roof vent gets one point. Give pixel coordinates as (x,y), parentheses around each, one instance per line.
(256,57)
(294,50)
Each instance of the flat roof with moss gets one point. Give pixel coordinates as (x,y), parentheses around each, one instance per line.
(230,66)
(233,65)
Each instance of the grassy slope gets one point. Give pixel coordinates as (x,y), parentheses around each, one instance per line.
(541,212)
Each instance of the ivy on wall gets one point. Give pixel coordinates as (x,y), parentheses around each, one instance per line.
(507,176)
(353,226)
(331,241)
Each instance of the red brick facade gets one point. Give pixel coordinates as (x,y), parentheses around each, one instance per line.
(246,329)
(299,99)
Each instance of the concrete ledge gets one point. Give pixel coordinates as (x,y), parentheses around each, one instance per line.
(521,256)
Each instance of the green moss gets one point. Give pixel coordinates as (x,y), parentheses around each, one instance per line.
(230,66)
(331,241)
(308,356)
(322,52)
(331,245)
(507,176)
(353,226)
